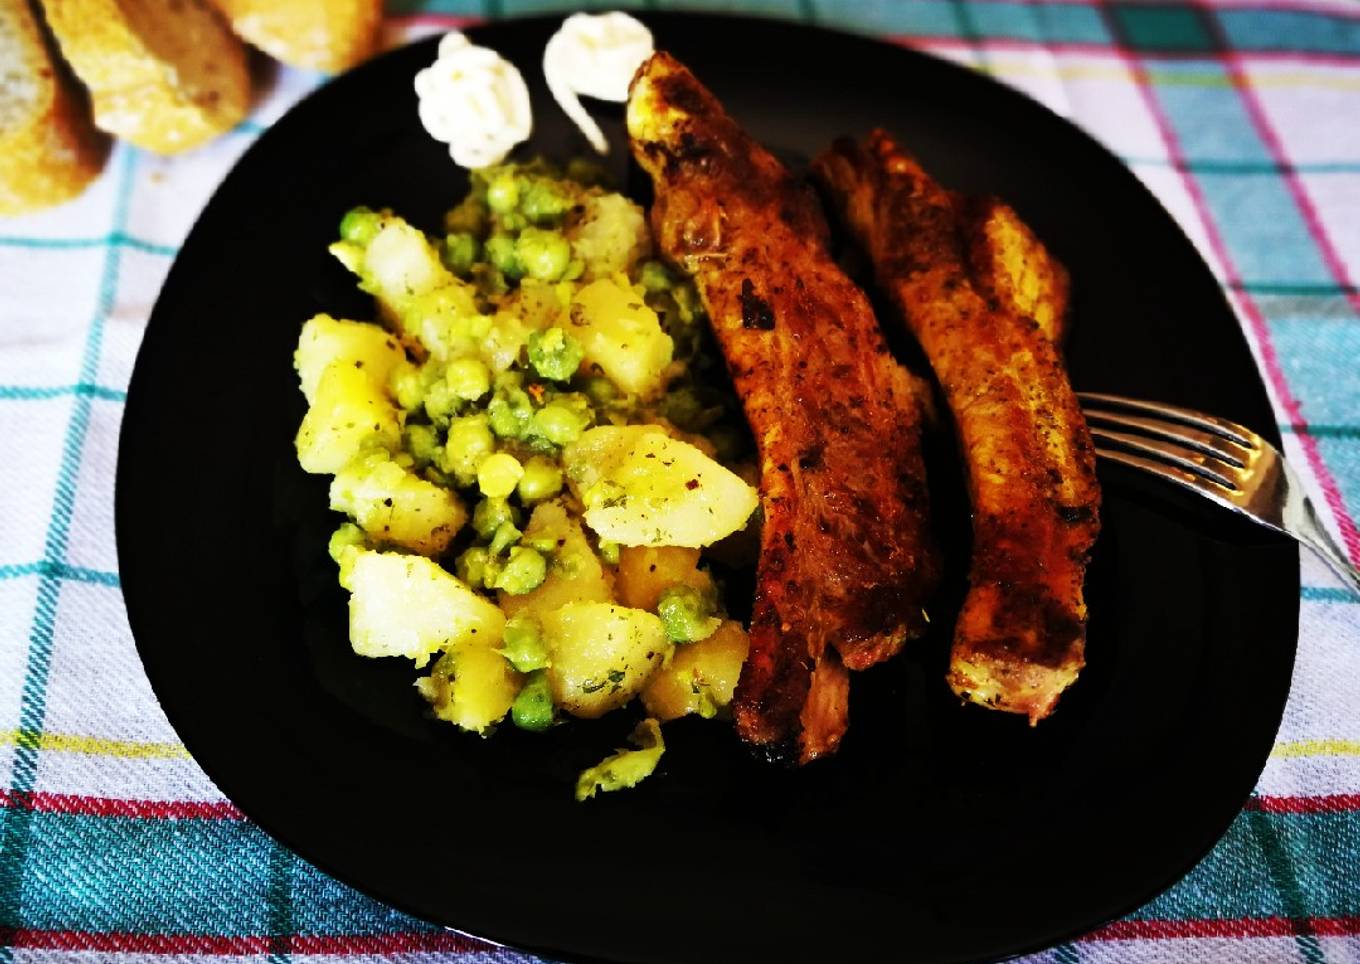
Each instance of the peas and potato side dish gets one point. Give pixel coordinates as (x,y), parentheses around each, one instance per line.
(533,445)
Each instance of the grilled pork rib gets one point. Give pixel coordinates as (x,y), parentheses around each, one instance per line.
(846,560)
(1020,638)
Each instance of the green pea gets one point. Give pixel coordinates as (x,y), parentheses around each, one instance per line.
(505,536)
(459,253)
(490,515)
(542,254)
(522,643)
(468,378)
(559,423)
(469,440)
(554,354)
(542,479)
(502,194)
(471,566)
(510,413)
(533,707)
(407,383)
(600,390)
(543,202)
(686,614)
(498,475)
(524,571)
(609,552)
(500,251)
(440,403)
(655,277)
(422,442)
(360,225)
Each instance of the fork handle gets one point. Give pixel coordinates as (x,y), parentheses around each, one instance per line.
(1309,530)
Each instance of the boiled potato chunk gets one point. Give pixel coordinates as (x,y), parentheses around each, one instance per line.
(325,341)
(602,655)
(473,688)
(575,573)
(701,677)
(396,507)
(620,335)
(645,572)
(641,487)
(610,236)
(408,606)
(350,414)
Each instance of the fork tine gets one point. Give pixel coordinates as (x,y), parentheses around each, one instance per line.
(1209,443)
(1210,423)
(1186,459)
(1171,473)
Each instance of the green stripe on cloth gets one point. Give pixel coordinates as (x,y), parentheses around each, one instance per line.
(25,393)
(116,239)
(58,570)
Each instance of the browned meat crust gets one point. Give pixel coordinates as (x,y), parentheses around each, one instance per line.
(1020,638)
(845,557)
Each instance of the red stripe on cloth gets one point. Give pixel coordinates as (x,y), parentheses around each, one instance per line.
(179,944)
(1022,45)
(111,807)
(1255,319)
(1236,928)
(1331,803)
(120,943)
(406,943)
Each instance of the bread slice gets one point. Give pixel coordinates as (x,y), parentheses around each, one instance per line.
(49,149)
(330,35)
(165,75)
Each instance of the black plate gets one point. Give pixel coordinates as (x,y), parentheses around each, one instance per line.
(940,832)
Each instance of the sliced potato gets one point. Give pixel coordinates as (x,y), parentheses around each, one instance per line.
(620,335)
(408,606)
(350,414)
(325,341)
(701,677)
(642,488)
(645,572)
(609,236)
(623,769)
(472,687)
(575,573)
(602,655)
(395,507)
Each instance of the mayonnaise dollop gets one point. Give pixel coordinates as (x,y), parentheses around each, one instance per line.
(475,101)
(594,55)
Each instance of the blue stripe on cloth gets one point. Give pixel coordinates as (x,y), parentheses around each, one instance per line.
(59,570)
(280,903)
(116,238)
(26,393)
(1265,234)
(153,876)
(1210,119)
(1342,456)
(1320,360)
(32,711)
(933,18)
(1058,23)
(1283,871)
(322,905)
(1259,29)
(1329,594)
(1237,858)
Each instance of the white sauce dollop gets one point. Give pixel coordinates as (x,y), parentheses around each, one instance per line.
(475,101)
(594,55)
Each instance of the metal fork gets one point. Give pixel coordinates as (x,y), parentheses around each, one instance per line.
(1225,462)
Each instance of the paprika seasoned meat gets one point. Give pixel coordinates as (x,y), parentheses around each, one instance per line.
(846,560)
(1020,638)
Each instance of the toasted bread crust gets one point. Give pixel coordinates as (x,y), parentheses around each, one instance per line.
(330,35)
(50,153)
(165,75)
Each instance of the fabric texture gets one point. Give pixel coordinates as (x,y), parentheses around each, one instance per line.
(1243,116)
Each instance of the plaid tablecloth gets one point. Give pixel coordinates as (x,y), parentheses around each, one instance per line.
(1243,116)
